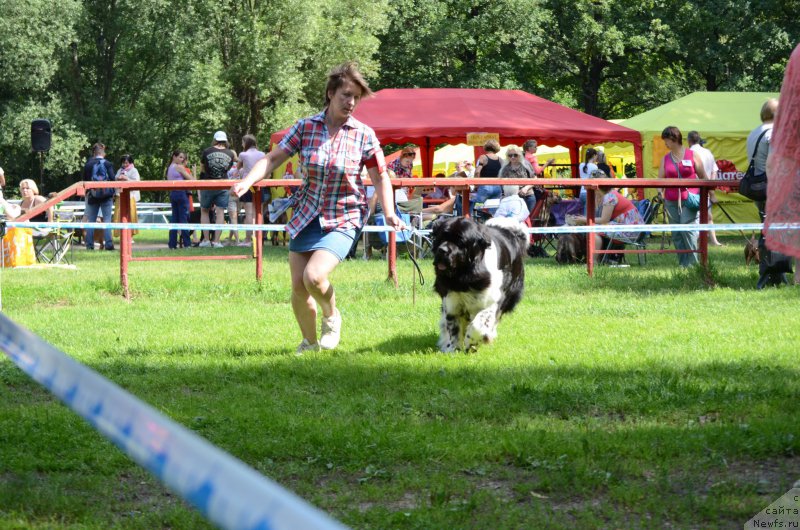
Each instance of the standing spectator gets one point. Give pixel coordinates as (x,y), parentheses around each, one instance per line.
(602,165)
(248,159)
(469,169)
(234,205)
(696,144)
(530,147)
(331,204)
(127,171)
(179,199)
(487,166)
(682,204)
(763,131)
(216,161)
(586,169)
(531,194)
(783,166)
(99,200)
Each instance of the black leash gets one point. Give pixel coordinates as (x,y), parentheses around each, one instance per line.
(731,220)
(413,259)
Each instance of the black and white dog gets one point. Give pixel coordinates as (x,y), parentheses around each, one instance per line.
(480,275)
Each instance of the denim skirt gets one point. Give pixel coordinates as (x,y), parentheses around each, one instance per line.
(312,237)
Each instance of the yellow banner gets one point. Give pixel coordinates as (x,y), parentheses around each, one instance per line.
(480,138)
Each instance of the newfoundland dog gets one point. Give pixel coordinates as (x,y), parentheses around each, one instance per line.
(480,276)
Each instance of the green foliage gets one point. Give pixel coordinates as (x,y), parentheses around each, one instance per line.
(146,77)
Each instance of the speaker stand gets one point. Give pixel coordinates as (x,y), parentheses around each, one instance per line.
(41,172)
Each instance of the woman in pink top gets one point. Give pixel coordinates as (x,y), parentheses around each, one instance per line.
(682,204)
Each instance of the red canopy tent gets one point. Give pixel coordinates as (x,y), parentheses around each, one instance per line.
(429,117)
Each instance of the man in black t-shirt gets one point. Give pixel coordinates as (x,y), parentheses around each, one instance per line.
(216,161)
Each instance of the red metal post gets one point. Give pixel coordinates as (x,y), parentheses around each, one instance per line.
(258,237)
(704,221)
(393,257)
(124,241)
(590,237)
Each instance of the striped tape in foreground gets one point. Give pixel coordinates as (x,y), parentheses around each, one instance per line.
(227,492)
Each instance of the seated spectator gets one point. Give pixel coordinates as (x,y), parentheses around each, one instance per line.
(512,205)
(614,209)
(31,199)
(446,207)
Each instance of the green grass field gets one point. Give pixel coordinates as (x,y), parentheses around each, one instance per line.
(643,397)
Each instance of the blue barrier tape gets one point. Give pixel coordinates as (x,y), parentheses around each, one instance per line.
(225,490)
(565,229)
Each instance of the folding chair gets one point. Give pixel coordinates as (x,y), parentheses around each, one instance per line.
(540,217)
(55,245)
(413,209)
(649,211)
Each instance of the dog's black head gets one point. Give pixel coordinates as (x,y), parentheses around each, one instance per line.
(458,244)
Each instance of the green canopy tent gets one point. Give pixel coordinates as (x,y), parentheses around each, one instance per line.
(724,119)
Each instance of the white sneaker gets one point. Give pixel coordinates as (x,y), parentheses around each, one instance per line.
(205,243)
(331,331)
(306,346)
(244,244)
(217,244)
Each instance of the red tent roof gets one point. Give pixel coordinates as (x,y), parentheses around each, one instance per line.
(432,116)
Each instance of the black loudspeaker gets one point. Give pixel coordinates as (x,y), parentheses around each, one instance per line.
(40,135)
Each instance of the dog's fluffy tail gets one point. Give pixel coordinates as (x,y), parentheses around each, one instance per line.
(512,225)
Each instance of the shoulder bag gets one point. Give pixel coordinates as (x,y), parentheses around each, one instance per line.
(754,186)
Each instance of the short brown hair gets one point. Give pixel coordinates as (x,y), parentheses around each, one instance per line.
(98,149)
(337,76)
(673,133)
(248,140)
(492,146)
(529,144)
(768,109)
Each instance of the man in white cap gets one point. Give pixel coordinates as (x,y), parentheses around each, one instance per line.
(216,161)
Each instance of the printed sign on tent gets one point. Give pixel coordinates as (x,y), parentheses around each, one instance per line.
(480,138)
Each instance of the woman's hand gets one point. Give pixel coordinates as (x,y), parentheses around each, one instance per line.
(395,222)
(238,189)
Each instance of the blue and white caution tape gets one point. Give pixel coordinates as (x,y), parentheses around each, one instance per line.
(564,229)
(228,492)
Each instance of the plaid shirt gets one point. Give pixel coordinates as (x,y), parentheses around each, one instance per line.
(332,188)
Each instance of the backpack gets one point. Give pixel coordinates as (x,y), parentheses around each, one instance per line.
(100,174)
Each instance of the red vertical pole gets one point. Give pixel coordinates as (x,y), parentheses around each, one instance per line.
(590,237)
(393,257)
(465,202)
(704,221)
(124,241)
(258,237)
